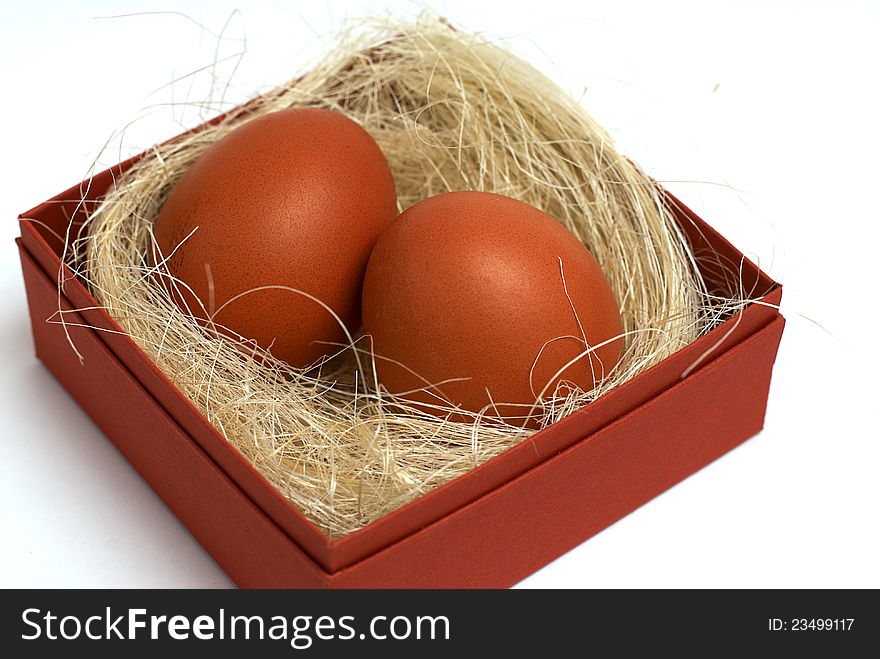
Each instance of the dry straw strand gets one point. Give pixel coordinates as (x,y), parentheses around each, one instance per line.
(451,112)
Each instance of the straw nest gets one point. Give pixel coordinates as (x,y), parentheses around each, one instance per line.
(451,112)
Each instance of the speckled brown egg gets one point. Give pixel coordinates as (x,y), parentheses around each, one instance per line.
(486,303)
(275,222)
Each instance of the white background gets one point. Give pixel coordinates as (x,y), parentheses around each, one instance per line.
(762,116)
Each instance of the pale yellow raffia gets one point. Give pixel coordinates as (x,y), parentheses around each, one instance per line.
(451,112)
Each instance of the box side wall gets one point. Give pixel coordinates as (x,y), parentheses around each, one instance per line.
(549,442)
(163,390)
(509,533)
(242,539)
(718,258)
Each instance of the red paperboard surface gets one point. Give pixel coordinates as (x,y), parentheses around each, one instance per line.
(618,446)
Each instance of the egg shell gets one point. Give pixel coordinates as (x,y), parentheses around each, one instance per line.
(295,199)
(483,287)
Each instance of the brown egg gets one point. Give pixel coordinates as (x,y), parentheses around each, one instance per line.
(466,303)
(295,199)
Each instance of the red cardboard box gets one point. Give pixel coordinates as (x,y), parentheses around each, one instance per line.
(489,528)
